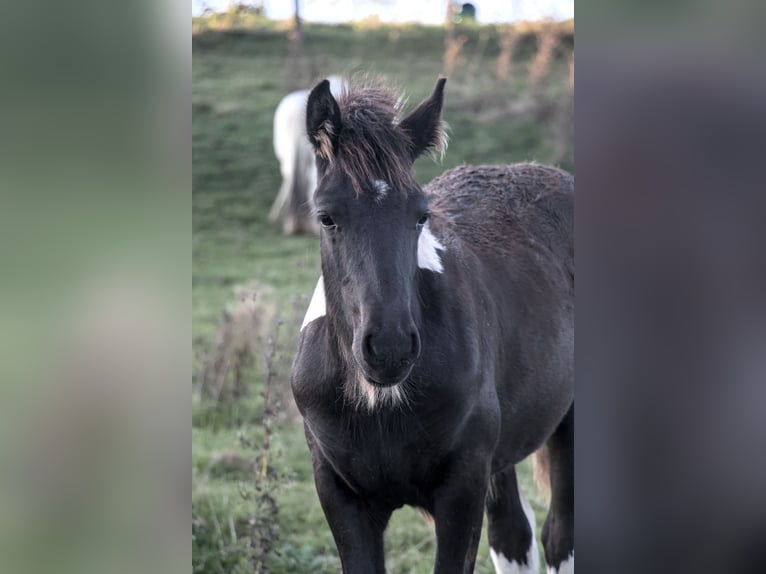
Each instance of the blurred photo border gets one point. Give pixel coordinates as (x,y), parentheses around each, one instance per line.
(95,181)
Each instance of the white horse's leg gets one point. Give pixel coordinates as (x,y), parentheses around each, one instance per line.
(289,120)
(281,200)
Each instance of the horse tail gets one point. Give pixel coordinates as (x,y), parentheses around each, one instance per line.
(541,468)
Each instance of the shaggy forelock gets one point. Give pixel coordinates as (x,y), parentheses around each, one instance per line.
(371,146)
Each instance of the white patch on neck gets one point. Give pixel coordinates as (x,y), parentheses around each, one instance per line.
(381,189)
(317,307)
(566,567)
(532,565)
(428,251)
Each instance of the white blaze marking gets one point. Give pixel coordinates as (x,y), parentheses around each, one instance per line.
(566,567)
(532,566)
(381,189)
(317,305)
(428,251)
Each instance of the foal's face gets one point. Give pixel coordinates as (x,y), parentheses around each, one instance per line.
(370,227)
(370,249)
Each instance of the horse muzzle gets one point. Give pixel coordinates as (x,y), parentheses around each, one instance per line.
(387,358)
(387,379)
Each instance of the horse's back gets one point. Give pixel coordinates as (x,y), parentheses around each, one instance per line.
(496,209)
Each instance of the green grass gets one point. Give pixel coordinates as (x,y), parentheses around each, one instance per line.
(239,76)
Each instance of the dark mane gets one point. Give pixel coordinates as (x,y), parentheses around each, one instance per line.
(371,145)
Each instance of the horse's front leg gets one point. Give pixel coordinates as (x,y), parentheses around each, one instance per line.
(458,513)
(357,525)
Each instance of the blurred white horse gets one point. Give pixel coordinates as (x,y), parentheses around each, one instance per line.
(296,161)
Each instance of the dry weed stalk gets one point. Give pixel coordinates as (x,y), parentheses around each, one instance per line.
(547,40)
(452,48)
(478,54)
(571,70)
(225,370)
(563,128)
(509,41)
(563,124)
(264,531)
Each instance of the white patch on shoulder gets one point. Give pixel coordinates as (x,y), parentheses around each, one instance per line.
(428,251)
(317,307)
(566,567)
(381,189)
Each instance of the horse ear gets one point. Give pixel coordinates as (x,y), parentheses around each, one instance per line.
(323,120)
(424,124)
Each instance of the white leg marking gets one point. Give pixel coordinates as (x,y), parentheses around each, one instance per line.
(317,305)
(504,566)
(532,566)
(428,251)
(566,567)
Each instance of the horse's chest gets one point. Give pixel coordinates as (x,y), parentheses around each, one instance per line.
(386,464)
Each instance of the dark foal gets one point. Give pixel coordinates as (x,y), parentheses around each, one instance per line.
(437,352)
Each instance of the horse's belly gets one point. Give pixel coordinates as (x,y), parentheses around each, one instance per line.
(532,405)
(528,424)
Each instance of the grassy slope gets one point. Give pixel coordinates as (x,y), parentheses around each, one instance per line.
(238,79)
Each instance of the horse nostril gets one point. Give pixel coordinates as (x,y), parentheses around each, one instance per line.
(367,348)
(389,350)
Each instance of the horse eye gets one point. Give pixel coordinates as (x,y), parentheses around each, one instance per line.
(326,221)
(423,219)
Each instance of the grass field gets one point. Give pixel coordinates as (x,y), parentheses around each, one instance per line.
(252,504)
